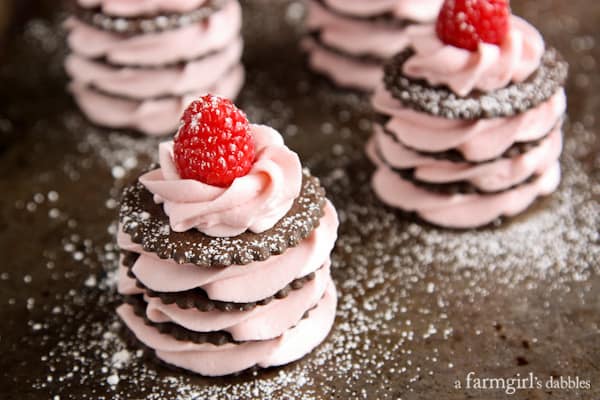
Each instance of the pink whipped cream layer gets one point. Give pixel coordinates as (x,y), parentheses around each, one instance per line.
(237,283)
(496,175)
(154,117)
(142,83)
(344,71)
(489,68)
(131,8)
(254,202)
(210,360)
(478,140)
(414,10)
(157,49)
(261,323)
(460,210)
(355,37)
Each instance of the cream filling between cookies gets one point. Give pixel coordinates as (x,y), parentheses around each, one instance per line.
(157,49)
(479,140)
(145,83)
(343,70)
(237,283)
(458,210)
(419,11)
(261,323)
(211,360)
(355,37)
(153,116)
(496,175)
(127,8)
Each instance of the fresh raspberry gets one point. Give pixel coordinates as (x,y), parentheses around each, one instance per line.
(213,144)
(466,23)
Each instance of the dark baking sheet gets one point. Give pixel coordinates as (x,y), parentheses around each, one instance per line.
(419,307)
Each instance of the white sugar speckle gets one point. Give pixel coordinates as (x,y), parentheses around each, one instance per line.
(118,172)
(112,380)
(90,281)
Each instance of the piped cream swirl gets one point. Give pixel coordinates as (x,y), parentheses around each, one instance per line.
(489,68)
(253,202)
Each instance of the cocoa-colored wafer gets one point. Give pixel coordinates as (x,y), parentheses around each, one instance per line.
(148,225)
(440,101)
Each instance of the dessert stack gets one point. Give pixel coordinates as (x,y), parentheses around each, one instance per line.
(349,40)
(138,64)
(226,247)
(470,117)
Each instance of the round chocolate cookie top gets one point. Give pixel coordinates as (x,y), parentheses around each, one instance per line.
(146,24)
(511,100)
(148,225)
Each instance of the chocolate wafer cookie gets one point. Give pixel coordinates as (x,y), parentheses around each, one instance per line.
(147,224)
(440,101)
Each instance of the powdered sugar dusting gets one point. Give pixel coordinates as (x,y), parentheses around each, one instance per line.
(419,306)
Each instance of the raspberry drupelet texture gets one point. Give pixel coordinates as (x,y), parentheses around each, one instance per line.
(214,144)
(466,23)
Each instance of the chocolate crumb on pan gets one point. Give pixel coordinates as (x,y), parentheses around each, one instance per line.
(197,298)
(182,334)
(453,155)
(145,24)
(148,225)
(506,102)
